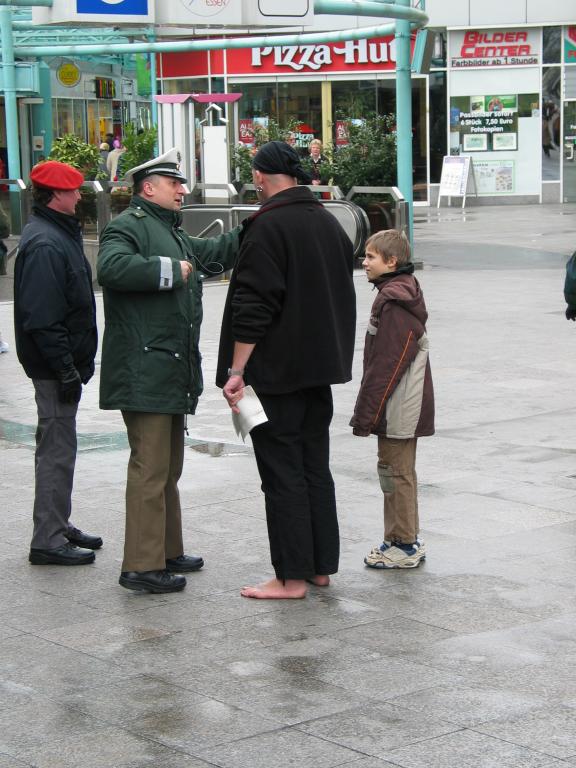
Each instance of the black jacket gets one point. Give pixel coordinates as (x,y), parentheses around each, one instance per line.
(54,307)
(292,295)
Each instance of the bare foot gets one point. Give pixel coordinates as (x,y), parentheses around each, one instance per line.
(320,581)
(291,589)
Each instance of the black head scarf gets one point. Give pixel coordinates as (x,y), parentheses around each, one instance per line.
(279,157)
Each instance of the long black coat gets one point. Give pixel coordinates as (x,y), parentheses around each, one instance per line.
(54,307)
(292,295)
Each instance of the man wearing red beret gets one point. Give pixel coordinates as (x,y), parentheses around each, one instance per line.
(56,342)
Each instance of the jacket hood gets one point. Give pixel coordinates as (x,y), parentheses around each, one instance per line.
(405,290)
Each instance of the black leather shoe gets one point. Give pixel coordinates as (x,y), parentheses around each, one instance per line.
(152,581)
(80,539)
(67,554)
(184,564)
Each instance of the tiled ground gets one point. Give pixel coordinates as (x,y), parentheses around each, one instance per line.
(467,661)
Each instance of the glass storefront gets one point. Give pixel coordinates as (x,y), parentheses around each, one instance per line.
(551,100)
(569,152)
(510,103)
(92,119)
(283,102)
(69,116)
(386,94)
(286,102)
(569,117)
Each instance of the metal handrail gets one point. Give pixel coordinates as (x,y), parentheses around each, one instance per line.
(394,192)
(203,186)
(20,213)
(18,182)
(401,209)
(216,222)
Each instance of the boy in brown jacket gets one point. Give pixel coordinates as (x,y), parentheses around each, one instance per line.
(396,398)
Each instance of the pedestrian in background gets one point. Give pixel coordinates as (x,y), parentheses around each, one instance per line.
(396,398)
(56,342)
(150,270)
(318,163)
(113,160)
(104,150)
(288,331)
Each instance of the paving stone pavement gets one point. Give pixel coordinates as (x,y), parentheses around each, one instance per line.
(467,661)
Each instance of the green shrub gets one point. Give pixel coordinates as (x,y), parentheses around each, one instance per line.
(370,157)
(140,147)
(242,154)
(79,154)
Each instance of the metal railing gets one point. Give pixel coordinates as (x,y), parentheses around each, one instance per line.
(104,199)
(398,213)
(335,192)
(198,218)
(14,203)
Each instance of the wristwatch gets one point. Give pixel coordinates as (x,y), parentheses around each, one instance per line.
(235,372)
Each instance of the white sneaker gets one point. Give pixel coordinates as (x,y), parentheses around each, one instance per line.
(3,346)
(389,555)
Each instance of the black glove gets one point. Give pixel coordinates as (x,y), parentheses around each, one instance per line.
(570,313)
(70,385)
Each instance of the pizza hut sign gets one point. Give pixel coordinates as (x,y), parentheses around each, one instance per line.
(353,54)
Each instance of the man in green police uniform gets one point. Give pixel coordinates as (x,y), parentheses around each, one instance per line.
(148,268)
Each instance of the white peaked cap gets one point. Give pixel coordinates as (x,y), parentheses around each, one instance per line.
(167,164)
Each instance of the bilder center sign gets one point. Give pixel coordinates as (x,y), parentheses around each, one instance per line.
(491,48)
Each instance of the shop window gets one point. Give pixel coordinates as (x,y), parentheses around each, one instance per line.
(217,85)
(79,111)
(55,129)
(143,115)
(551,45)
(439,50)
(387,106)
(95,132)
(437,81)
(354,99)
(106,123)
(185,85)
(488,122)
(258,100)
(570,82)
(569,152)
(551,88)
(65,117)
(302,103)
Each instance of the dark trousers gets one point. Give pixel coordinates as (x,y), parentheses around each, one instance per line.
(292,452)
(54,464)
(153,514)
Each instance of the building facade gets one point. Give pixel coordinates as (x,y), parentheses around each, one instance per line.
(501,88)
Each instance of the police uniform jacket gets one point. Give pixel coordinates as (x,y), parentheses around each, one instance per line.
(54,308)
(150,355)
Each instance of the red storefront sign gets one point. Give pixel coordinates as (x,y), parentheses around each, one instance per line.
(371,55)
(342,134)
(246,130)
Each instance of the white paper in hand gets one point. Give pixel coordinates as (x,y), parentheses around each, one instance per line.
(251,413)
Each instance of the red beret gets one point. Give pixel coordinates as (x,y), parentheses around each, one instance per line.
(55,175)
